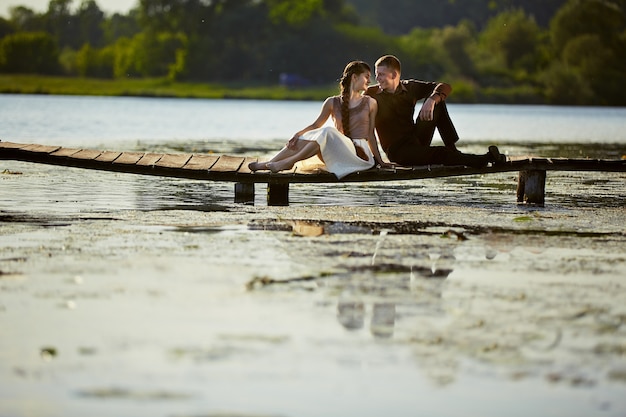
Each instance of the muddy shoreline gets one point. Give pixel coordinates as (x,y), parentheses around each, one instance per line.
(137,296)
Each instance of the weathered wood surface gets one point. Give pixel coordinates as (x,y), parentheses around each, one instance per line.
(531,187)
(235,168)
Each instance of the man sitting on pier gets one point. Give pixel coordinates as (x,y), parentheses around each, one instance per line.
(407,141)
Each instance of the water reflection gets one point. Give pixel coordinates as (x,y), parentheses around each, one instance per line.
(383,320)
(155,193)
(382,293)
(351,314)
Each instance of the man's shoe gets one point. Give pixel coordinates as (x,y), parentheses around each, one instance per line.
(495,156)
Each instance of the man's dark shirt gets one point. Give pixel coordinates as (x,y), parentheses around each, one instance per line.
(395,121)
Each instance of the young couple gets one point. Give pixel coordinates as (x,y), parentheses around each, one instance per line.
(388,108)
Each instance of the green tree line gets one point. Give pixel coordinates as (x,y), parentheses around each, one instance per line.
(507,51)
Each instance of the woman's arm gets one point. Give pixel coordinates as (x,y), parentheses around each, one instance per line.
(325,113)
(371,136)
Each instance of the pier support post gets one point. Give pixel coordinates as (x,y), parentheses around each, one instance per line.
(244,193)
(531,187)
(277,194)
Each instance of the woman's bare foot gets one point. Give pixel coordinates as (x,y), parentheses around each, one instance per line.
(278,166)
(255,166)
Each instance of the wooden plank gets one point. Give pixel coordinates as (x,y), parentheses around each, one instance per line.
(201,162)
(87,154)
(294,169)
(40,148)
(64,152)
(12,145)
(150,159)
(173,160)
(244,166)
(228,163)
(570,164)
(108,156)
(128,158)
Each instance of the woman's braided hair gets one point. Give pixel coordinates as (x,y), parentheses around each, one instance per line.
(353,68)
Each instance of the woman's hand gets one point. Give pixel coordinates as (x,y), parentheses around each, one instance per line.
(292,142)
(386,165)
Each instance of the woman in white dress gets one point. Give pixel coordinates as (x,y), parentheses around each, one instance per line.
(347,147)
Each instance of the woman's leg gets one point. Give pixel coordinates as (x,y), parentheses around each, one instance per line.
(286,154)
(309,149)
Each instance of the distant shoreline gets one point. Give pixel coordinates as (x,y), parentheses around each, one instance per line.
(155,87)
(164,88)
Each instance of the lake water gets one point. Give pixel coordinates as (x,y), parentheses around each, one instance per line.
(129,295)
(107,120)
(260,128)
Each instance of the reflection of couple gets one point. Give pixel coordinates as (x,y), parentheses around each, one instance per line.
(351,309)
(388,107)
(351,315)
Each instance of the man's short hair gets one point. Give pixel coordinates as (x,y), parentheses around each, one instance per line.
(389,61)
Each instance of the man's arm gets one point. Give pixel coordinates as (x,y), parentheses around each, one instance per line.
(442,90)
(439,94)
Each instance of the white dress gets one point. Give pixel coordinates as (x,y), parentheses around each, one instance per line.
(339,151)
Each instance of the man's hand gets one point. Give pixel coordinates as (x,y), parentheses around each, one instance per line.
(427,110)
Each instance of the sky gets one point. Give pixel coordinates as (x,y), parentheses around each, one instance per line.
(108,6)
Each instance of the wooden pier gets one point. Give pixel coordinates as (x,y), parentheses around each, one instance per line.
(530,189)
